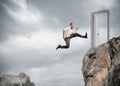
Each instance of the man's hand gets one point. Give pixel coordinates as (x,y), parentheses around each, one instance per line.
(63,37)
(76,30)
(63,34)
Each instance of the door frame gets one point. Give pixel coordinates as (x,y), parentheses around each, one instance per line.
(93,31)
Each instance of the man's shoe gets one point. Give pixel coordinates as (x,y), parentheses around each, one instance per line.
(86,35)
(58,47)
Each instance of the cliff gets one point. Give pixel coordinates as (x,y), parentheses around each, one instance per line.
(101,65)
(13,80)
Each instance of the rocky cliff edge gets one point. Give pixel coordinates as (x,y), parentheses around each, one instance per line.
(101,65)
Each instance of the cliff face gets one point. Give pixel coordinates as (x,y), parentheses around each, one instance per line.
(101,65)
(13,80)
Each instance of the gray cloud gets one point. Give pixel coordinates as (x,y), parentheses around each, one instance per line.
(56,11)
(77,11)
(30,30)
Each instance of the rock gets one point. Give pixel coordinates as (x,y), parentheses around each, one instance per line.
(101,65)
(12,80)
(114,77)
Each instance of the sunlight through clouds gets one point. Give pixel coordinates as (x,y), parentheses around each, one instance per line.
(24,14)
(104,4)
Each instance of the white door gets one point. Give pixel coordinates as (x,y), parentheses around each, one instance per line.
(100,29)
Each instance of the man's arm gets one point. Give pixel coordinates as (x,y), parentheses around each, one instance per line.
(63,34)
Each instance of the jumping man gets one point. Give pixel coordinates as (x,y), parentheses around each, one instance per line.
(68,34)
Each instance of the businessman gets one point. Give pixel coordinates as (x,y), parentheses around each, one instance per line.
(68,34)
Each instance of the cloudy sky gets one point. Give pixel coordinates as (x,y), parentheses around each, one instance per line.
(30,30)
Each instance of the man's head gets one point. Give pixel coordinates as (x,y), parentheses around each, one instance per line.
(71,25)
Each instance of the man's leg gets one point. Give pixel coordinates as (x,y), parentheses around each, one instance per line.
(67,41)
(78,35)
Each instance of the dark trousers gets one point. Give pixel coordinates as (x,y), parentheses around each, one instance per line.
(67,39)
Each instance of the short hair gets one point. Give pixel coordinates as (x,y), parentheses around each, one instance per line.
(71,23)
